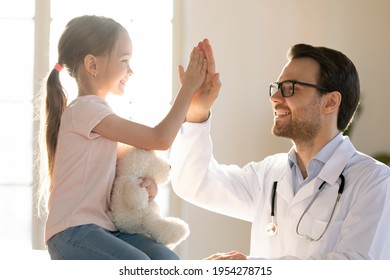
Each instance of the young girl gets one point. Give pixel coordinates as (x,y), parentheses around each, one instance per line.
(81,141)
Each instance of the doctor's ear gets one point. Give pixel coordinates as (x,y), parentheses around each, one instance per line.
(332,101)
(90,64)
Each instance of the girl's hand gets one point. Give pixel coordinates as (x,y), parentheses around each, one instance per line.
(206,95)
(194,77)
(151,187)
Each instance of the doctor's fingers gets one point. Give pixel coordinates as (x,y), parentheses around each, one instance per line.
(234,255)
(227,256)
(215,257)
(208,51)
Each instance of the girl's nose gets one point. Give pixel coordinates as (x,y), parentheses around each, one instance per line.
(130,71)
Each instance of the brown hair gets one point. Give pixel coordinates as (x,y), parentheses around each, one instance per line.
(337,73)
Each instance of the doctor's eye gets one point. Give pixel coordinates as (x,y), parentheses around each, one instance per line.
(287,88)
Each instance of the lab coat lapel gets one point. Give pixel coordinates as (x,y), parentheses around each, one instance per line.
(285,189)
(337,162)
(306,191)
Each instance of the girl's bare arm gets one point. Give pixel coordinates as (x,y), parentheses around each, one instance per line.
(161,136)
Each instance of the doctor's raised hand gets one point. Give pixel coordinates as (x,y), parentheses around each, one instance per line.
(205,97)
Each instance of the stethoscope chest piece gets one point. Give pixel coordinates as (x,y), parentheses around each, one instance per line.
(271,229)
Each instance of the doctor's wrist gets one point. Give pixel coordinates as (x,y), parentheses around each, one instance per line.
(198,118)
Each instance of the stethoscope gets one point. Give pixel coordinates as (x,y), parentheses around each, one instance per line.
(272,228)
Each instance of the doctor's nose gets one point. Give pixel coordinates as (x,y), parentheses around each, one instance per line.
(277,97)
(275,92)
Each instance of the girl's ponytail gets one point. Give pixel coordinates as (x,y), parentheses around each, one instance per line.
(55,105)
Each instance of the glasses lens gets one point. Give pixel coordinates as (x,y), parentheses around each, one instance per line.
(273,88)
(287,88)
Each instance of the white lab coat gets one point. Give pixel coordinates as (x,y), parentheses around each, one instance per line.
(360,227)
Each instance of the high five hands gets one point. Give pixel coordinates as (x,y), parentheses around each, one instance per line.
(205,97)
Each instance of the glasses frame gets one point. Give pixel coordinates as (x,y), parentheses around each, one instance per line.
(279,86)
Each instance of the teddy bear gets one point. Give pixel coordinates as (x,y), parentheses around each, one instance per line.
(130,208)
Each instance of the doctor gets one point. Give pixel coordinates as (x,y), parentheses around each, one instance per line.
(322,199)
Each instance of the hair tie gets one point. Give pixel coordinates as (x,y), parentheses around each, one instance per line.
(58,67)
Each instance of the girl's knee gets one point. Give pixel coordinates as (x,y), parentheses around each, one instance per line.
(161,252)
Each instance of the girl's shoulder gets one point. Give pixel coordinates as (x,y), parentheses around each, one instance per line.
(88,106)
(88,100)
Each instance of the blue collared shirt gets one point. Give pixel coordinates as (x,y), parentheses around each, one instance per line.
(315,164)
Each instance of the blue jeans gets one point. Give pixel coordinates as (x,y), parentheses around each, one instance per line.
(91,242)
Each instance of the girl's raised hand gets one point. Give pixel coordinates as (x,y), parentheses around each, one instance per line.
(194,77)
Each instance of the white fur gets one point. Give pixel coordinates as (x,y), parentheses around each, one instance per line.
(130,210)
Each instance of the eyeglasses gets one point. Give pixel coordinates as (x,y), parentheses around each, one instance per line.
(287,88)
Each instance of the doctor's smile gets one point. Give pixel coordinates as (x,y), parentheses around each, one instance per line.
(281,114)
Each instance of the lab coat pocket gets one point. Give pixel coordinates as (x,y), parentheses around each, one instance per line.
(329,230)
(310,228)
(317,230)
(318,238)
(320,214)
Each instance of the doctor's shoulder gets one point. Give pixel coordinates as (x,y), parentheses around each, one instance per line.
(369,162)
(364,168)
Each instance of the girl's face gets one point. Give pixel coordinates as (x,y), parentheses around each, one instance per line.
(114,68)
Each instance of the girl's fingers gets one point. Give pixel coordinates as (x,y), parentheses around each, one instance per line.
(198,61)
(196,69)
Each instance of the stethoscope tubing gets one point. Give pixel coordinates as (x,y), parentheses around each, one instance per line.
(271,227)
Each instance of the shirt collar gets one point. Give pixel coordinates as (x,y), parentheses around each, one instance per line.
(323,155)
(315,164)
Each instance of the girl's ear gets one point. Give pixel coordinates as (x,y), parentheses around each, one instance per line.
(332,101)
(90,63)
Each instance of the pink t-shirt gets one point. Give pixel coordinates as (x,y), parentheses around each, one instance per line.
(84,169)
